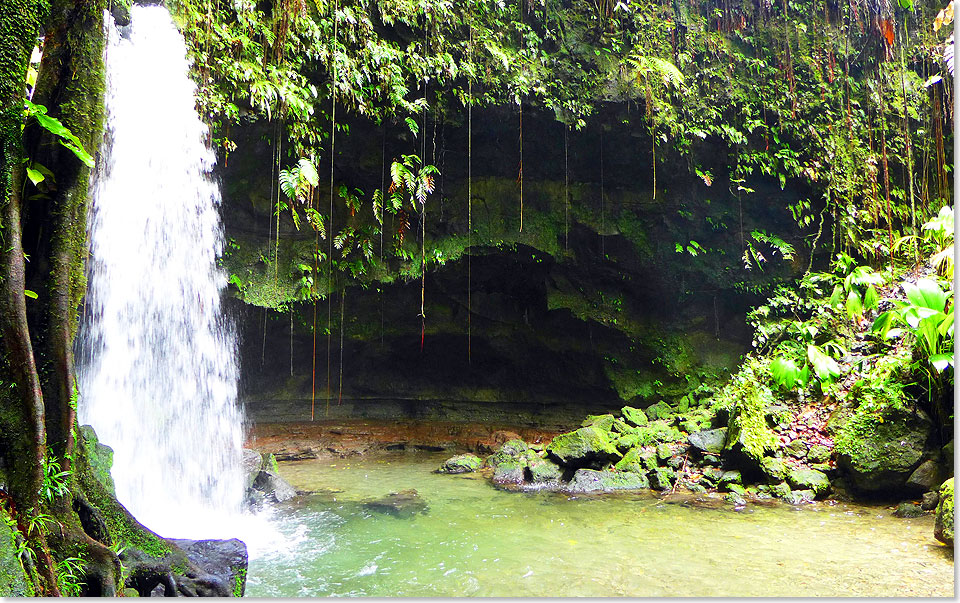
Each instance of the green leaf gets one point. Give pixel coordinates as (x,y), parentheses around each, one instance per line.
(854,305)
(881,325)
(926,293)
(871,298)
(824,366)
(836,297)
(941,361)
(784,372)
(30,294)
(35,176)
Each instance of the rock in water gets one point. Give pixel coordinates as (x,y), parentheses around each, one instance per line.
(509,472)
(588,480)
(943,528)
(908,509)
(809,479)
(930,501)
(224,560)
(273,486)
(582,448)
(404,504)
(884,457)
(462,463)
(251,464)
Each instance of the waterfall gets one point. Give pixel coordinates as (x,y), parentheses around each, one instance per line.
(157,360)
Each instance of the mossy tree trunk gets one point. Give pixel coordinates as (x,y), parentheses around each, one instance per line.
(38,393)
(22,433)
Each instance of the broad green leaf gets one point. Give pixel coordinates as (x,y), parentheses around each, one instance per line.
(824,366)
(784,372)
(881,325)
(870,298)
(35,176)
(854,305)
(30,294)
(941,361)
(837,296)
(926,293)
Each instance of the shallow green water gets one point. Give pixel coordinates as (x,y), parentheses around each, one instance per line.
(476,540)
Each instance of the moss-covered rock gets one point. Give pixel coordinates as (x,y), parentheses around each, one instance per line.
(943,528)
(709,441)
(588,480)
(583,447)
(809,479)
(634,416)
(877,452)
(14,582)
(512,450)
(818,454)
(774,469)
(662,478)
(509,472)
(908,509)
(462,463)
(603,422)
(730,478)
(660,410)
(543,471)
(781,490)
(100,457)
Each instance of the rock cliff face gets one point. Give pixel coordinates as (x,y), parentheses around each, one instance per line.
(601,298)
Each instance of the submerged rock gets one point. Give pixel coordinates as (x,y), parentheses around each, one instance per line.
(462,463)
(589,480)
(943,528)
(582,448)
(404,504)
(908,509)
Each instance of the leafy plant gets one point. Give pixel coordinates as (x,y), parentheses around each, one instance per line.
(55,481)
(70,574)
(51,124)
(928,316)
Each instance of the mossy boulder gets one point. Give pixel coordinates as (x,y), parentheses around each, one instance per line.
(908,510)
(100,457)
(878,454)
(634,416)
(582,448)
(660,410)
(509,472)
(809,479)
(818,454)
(662,478)
(709,440)
(943,528)
(637,460)
(13,580)
(730,478)
(621,427)
(926,477)
(604,422)
(511,450)
(781,490)
(462,463)
(589,480)
(542,471)
(774,469)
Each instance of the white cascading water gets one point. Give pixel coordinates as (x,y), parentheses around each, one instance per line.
(158,361)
